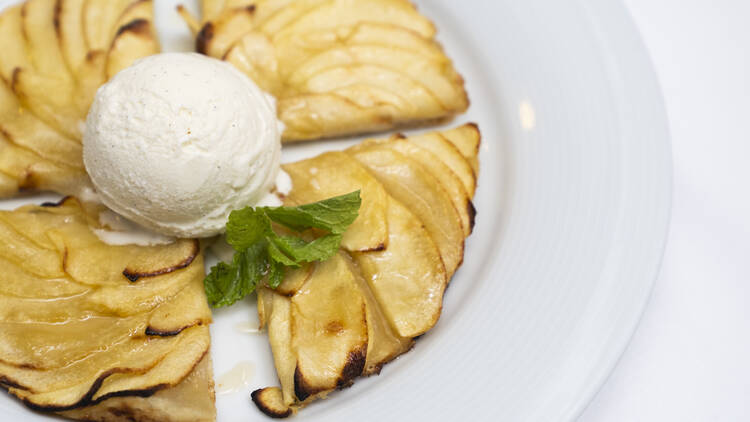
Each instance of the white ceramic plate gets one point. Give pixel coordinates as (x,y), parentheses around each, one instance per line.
(573,211)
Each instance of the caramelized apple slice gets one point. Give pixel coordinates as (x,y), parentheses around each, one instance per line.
(133,40)
(408,278)
(133,355)
(406,181)
(383,342)
(329,330)
(82,384)
(85,254)
(280,337)
(335,173)
(70,34)
(466,139)
(26,285)
(270,400)
(436,143)
(41,37)
(12,42)
(27,344)
(100,21)
(190,400)
(295,279)
(316,14)
(441,172)
(217,37)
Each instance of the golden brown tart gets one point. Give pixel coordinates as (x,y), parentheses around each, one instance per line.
(336,67)
(99,332)
(55,54)
(331,322)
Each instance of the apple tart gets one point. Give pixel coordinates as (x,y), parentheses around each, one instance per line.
(336,67)
(56,53)
(331,322)
(98,332)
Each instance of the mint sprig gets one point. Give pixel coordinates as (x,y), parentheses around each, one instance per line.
(261,252)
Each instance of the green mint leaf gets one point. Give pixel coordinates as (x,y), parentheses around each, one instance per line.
(275,275)
(228,283)
(319,249)
(261,252)
(247,227)
(220,285)
(278,256)
(334,215)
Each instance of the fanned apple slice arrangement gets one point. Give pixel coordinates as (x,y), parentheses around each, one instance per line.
(129,323)
(331,322)
(89,329)
(336,67)
(55,54)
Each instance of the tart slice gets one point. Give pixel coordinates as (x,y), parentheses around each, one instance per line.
(56,53)
(334,321)
(336,67)
(98,332)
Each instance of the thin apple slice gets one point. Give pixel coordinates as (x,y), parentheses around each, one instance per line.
(25,130)
(280,337)
(39,30)
(333,174)
(12,42)
(100,20)
(26,285)
(144,370)
(186,309)
(419,99)
(191,400)
(192,345)
(50,99)
(132,41)
(212,10)
(255,56)
(466,139)
(408,279)
(217,37)
(446,177)
(429,72)
(270,400)
(329,330)
(408,182)
(31,171)
(26,344)
(383,342)
(335,116)
(340,13)
(85,253)
(28,255)
(122,301)
(436,143)
(294,279)
(70,34)
(79,378)
(303,47)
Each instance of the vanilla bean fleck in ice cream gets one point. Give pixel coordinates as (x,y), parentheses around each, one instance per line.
(178,140)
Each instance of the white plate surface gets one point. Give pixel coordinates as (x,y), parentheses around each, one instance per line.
(573,208)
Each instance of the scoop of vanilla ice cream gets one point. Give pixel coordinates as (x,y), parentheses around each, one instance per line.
(179,140)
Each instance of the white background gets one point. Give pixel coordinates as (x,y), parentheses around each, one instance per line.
(690,358)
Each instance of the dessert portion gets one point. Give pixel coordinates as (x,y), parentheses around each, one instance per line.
(179,140)
(336,67)
(55,54)
(332,321)
(99,332)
